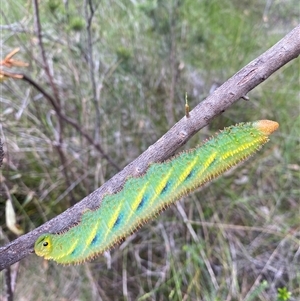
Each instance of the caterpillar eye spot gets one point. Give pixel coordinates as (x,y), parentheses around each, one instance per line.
(45,244)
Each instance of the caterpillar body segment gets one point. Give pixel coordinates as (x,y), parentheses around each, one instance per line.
(144,197)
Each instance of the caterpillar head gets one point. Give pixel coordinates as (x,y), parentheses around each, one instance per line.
(43,245)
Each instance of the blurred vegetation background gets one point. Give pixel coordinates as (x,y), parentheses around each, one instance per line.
(120,69)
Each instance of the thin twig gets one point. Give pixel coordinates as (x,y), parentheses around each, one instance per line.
(9,293)
(1,152)
(89,14)
(70,121)
(58,145)
(38,30)
(169,104)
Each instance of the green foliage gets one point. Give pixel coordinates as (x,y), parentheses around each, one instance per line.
(254,295)
(53,5)
(239,223)
(283,294)
(76,24)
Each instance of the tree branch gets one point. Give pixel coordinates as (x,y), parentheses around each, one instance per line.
(232,90)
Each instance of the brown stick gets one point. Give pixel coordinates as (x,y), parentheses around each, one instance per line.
(232,90)
(58,146)
(70,121)
(89,14)
(38,30)
(1,153)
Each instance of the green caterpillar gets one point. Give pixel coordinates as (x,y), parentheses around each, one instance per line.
(142,198)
